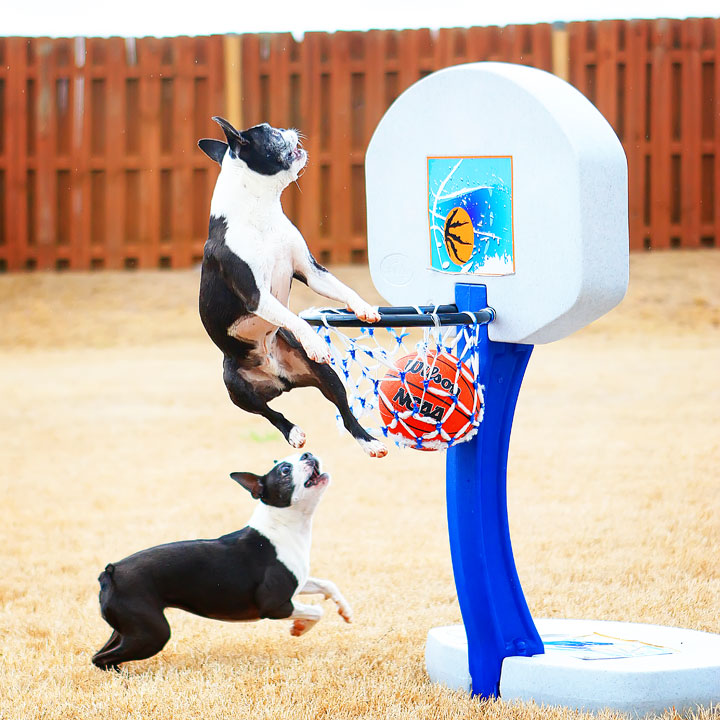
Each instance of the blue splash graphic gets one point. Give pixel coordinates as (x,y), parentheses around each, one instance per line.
(601,647)
(482,186)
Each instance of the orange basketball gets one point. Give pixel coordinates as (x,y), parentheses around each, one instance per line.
(420,396)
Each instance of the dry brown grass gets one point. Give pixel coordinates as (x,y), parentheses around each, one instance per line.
(117,434)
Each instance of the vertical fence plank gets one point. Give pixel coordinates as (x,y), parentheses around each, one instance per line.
(375,82)
(186,69)
(690,134)
(109,108)
(340,150)
(576,32)
(80,159)
(94,122)
(279,101)
(560,53)
(279,91)
(660,129)
(46,162)
(233,67)
(714,145)
(542,47)
(16,146)
(149,127)
(67,250)
(312,70)
(3,159)
(409,59)
(635,123)
(359,53)
(250,91)
(374,109)
(217,75)
(606,63)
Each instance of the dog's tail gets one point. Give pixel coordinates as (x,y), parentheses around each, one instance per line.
(106,580)
(107,592)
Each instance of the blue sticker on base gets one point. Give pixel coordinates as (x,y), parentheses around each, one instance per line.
(470,215)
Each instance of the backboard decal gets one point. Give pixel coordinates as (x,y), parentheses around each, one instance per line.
(470,215)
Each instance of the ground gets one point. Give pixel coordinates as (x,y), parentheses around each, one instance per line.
(117,434)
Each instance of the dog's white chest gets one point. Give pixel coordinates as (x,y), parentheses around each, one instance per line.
(258,232)
(266,248)
(291,540)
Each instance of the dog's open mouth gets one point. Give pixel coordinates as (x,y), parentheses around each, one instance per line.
(317,478)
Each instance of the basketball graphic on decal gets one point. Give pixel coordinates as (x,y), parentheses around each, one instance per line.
(459,235)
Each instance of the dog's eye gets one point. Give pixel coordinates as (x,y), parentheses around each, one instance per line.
(285,470)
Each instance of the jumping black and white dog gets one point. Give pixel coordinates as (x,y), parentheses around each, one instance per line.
(252,254)
(250,574)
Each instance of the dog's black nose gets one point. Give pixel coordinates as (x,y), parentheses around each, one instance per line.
(312,461)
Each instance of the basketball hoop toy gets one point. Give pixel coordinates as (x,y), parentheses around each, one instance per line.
(522,209)
(428,394)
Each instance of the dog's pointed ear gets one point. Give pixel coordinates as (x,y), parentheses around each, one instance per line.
(214,149)
(251,482)
(234,137)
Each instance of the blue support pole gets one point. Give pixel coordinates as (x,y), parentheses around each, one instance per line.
(497,621)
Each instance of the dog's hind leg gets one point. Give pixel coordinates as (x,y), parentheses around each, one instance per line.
(247,398)
(304,372)
(304,617)
(113,640)
(147,638)
(332,388)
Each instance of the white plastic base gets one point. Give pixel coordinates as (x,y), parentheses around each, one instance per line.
(591,665)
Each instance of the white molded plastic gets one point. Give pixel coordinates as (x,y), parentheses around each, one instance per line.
(569,196)
(686,678)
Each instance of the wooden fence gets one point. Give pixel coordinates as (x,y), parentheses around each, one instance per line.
(98,163)
(658,84)
(99,167)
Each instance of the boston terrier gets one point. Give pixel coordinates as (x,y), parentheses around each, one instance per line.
(250,574)
(252,254)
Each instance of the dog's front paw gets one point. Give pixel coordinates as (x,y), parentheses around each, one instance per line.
(296,438)
(374,448)
(345,612)
(366,313)
(316,348)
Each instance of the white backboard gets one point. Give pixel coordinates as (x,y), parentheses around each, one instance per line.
(502,175)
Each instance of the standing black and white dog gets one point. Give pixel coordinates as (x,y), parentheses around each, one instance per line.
(250,574)
(252,254)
